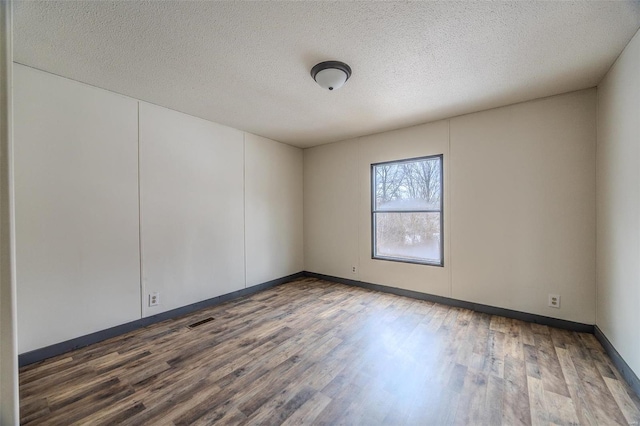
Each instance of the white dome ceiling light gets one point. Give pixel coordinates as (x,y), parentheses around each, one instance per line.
(331,74)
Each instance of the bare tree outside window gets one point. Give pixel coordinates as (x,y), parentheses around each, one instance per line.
(406,210)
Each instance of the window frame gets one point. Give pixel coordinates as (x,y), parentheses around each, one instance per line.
(440,158)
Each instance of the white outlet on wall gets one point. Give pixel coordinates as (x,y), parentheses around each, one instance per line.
(154,299)
(354,269)
(554,300)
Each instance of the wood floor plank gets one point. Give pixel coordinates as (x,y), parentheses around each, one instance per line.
(114,414)
(601,402)
(561,410)
(576,389)
(537,406)
(493,399)
(629,408)
(309,411)
(475,409)
(552,378)
(232,416)
(315,352)
(515,397)
(40,370)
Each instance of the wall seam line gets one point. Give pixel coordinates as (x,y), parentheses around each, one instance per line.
(359,206)
(448,204)
(595,263)
(244,204)
(140,222)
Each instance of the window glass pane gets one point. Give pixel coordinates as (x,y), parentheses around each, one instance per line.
(410,185)
(408,236)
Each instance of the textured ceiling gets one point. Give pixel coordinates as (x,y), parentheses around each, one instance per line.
(246,64)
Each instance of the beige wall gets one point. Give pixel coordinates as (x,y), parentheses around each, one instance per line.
(418,141)
(618,189)
(331,201)
(523,206)
(531,234)
(337,206)
(273,209)
(108,186)
(8,330)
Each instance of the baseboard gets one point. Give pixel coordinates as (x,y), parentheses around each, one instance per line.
(491,310)
(99,336)
(618,361)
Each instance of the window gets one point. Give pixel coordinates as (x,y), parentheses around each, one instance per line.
(406,210)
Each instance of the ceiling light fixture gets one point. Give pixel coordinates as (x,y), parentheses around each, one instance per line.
(331,74)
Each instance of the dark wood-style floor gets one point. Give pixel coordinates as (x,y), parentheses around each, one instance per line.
(314,352)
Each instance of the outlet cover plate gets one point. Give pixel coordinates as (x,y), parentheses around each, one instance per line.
(154,299)
(554,301)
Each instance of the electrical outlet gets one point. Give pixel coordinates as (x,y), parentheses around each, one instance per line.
(154,299)
(354,269)
(554,300)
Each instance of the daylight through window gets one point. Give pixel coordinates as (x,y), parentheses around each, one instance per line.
(406,210)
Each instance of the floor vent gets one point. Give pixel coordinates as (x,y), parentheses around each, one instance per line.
(204,321)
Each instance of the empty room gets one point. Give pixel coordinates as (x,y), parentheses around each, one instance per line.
(354,213)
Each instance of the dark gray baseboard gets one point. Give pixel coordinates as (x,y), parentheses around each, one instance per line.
(491,310)
(82,341)
(618,361)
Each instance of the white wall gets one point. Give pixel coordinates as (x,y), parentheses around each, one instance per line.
(273,209)
(531,234)
(76,173)
(8,322)
(331,200)
(107,187)
(618,191)
(192,207)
